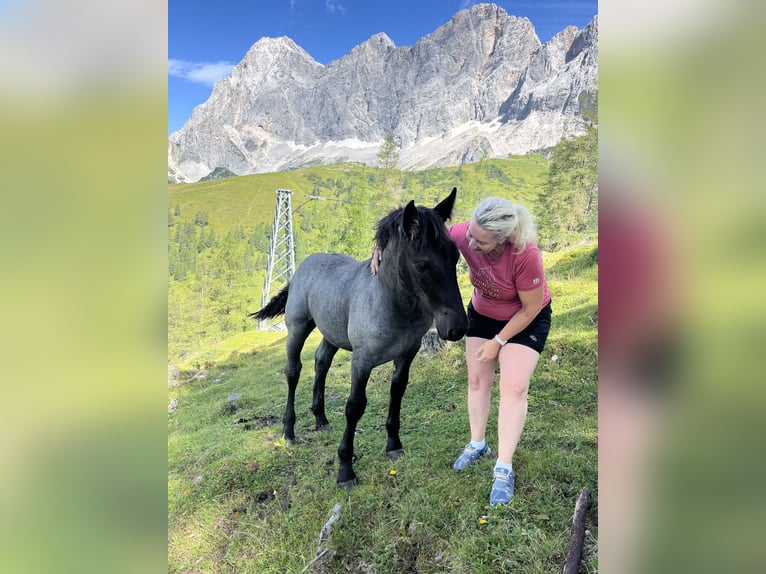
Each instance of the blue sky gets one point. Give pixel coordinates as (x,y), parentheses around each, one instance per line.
(206,38)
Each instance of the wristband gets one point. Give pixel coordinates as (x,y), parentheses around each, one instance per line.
(499,340)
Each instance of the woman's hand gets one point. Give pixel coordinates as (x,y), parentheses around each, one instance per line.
(377,256)
(488,351)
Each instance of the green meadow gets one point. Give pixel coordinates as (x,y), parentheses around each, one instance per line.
(239,501)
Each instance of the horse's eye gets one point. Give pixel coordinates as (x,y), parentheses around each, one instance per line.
(423,266)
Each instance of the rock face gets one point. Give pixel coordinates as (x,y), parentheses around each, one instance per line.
(482,85)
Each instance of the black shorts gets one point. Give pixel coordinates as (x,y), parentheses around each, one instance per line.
(534,336)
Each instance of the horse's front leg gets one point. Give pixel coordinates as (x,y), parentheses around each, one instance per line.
(399,382)
(357,402)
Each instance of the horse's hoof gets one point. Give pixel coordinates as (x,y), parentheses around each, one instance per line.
(325,427)
(395,454)
(289,442)
(347,484)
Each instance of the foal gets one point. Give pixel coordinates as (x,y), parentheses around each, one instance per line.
(379,318)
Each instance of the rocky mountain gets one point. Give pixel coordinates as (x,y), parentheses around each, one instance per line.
(482,85)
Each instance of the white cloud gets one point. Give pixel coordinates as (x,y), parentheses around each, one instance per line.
(334,6)
(207,73)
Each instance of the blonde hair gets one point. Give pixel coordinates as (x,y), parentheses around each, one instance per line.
(507,221)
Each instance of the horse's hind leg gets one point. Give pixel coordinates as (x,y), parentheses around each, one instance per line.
(322,361)
(399,382)
(296,337)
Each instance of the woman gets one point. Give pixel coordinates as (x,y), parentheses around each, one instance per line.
(509,317)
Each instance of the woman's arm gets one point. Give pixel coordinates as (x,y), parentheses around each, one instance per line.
(531,303)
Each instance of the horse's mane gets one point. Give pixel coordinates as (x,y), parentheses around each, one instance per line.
(428,228)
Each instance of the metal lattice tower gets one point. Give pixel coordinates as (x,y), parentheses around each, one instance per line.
(281,262)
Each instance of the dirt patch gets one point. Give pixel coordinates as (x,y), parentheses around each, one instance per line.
(257,422)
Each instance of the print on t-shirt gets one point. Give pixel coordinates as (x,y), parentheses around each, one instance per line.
(485,282)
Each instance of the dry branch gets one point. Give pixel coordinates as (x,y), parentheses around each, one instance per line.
(577,535)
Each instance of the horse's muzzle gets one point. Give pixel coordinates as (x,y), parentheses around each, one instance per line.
(452,326)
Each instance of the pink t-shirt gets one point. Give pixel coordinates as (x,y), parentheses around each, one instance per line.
(498,280)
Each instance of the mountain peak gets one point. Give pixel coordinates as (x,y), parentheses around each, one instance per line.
(381,39)
(485,11)
(280,42)
(377,44)
(276,47)
(488,15)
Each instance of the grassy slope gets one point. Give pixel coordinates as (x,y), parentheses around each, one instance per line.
(249,200)
(236,200)
(259,507)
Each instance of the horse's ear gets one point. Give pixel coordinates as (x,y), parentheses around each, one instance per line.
(444,209)
(410,223)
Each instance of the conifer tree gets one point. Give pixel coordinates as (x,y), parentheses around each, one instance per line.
(569,203)
(200,218)
(388,156)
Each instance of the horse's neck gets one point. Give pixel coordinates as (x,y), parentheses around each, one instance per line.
(397,293)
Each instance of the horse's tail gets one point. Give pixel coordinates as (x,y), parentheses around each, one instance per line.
(273,308)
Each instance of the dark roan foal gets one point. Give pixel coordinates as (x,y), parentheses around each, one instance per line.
(379,318)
